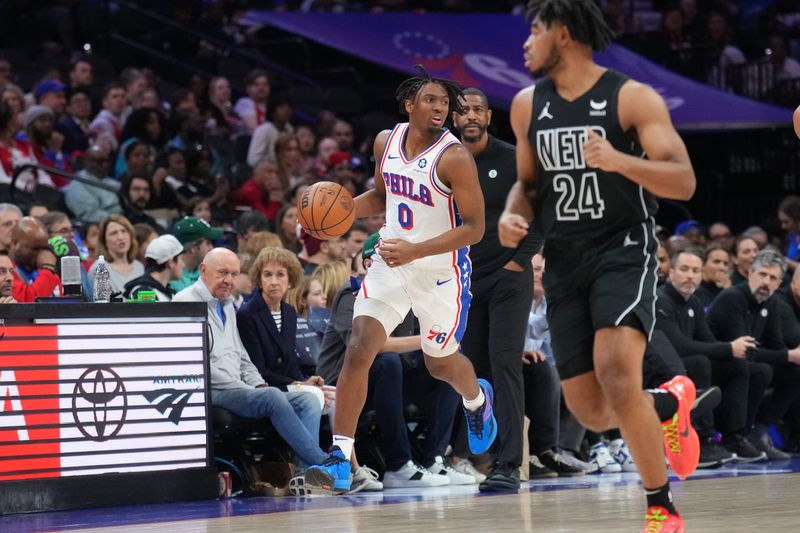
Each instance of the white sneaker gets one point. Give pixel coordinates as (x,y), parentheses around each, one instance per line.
(570,459)
(600,455)
(622,455)
(466,467)
(413,475)
(439,467)
(365,479)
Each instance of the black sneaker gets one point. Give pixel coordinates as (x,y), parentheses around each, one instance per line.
(763,442)
(712,455)
(744,450)
(552,460)
(537,470)
(503,477)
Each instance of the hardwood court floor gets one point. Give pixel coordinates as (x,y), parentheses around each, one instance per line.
(740,498)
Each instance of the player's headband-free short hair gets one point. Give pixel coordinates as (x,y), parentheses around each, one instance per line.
(583,19)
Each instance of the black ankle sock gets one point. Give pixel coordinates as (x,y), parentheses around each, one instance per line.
(662,497)
(665,403)
(613,434)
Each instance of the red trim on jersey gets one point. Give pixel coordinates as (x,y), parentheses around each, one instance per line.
(433,169)
(402,151)
(386,148)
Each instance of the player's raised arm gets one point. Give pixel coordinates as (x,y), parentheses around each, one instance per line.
(667,171)
(513,223)
(373,202)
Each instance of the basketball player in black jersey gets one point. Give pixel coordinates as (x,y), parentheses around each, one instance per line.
(594,148)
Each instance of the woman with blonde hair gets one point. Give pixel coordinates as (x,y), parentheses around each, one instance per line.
(307,294)
(260,240)
(116,242)
(332,276)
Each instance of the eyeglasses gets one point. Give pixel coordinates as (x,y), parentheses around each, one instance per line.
(64,232)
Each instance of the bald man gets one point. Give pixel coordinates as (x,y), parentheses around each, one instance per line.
(236,384)
(35,273)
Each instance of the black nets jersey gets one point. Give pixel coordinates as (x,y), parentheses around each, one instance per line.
(573,201)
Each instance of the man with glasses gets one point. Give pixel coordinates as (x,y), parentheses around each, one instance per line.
(89,203)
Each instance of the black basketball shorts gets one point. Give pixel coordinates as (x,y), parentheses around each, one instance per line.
(596,284)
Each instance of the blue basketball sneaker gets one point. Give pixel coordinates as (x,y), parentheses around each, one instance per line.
(481,423)
(332,475)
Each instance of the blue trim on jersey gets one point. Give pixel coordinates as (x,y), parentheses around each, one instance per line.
(465,267)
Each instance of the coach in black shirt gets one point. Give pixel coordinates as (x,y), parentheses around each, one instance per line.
(750,309)
(681,316)
(789,296)
(502,292)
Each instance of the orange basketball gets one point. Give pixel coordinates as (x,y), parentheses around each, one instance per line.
(326,210)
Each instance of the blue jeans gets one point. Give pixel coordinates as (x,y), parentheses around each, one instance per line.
(295,416)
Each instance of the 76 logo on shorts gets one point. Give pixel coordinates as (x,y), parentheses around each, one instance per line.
(436,335)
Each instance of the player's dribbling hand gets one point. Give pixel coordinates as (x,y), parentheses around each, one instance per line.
(396,252)
(598,152)
(511,229)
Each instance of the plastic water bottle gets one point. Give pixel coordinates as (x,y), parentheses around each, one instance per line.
(102,282)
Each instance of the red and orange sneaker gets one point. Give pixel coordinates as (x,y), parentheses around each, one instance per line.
(681,443)
(659,520)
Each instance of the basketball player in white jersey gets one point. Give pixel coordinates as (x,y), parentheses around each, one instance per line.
(427,185)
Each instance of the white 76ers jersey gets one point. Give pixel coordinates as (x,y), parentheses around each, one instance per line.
(419,206)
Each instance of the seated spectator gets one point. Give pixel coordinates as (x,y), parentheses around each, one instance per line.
(745,250)
(543,389)
(35,273)
(204,176)
(290,162)
(305,136)
(163,263)
(74,125)
(144,235)
(50,93)
(6,279)
(248,224)
(223,120)
(325,148)
(339,171)
(716,277)
(748,309)
(200,208)
(262,144)
(286,227)
(663,264)
(145,125)
(93,204)
(682,318)
(789,294)
(332,276)
(259,241)
(262,192)
(107,125)
(718,39)
(384,393)
(117,244)
(236,384)
(693,231)
(267,324)
(342,133)
(58,223)
(81,73)
(13,96)
(14,153)
(354,239)
(197,238)
(89,234)
(9,216)
(138,161)
(720,233)
(758,234)
(39,131)
(135,197)
(252,109)
(316,252)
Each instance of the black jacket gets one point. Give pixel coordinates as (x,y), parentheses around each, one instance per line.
(272,351)
(790,316)
(685,325)
(735,312)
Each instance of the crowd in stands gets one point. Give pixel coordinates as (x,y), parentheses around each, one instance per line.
(193,196)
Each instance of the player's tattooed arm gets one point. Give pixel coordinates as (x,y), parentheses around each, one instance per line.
(373,202)
(514,222)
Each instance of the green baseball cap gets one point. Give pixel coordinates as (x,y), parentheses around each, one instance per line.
(369,246)
(190,229)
